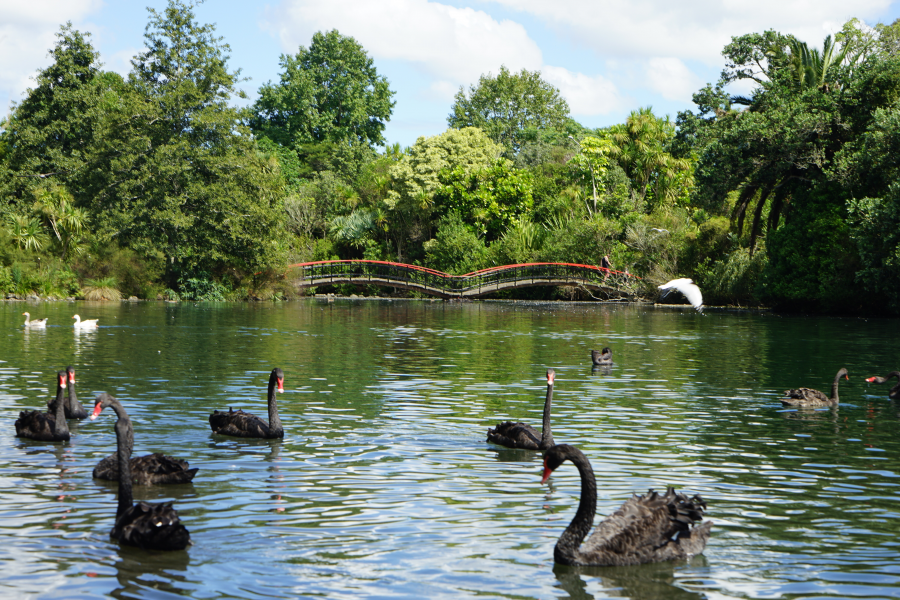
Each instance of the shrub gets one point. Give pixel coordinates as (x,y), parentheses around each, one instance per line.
(101,289)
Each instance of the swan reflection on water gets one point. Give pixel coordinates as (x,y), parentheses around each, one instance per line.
(601,369)
(137,569)
(637,582)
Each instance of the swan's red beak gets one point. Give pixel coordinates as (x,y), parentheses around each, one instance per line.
(72,377)
(550,378)
(96,412)
(547,472)
(870,379)
(847,377)
(62,382)
(281,385)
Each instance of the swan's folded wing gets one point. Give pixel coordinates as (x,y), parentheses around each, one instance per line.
(643,526)
(805,394)
(515,435)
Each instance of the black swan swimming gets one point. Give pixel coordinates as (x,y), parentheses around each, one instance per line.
(50,426)
(241,424)
(648,528)
(601,358)
(151,469)
(894,392)
(520,435)
(35,324)
(74,409)
(810,397)
(147,526)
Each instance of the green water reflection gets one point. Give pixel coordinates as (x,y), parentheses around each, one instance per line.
(384,485)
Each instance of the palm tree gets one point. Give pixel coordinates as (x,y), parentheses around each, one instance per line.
(639,147)
(809,66)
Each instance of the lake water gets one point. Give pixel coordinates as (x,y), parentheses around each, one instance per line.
(384,486)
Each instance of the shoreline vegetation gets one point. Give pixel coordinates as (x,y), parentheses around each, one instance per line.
(154,186)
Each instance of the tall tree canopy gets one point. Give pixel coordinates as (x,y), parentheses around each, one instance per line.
(176,173)
(507,105)
(52,129)
(329,92)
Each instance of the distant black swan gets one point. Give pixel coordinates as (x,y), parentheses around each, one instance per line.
(74,409)
(241,424)
(649,528)
(601,358)
(809,397)
(894,392)
(520,435)
(49,426)
(147,526)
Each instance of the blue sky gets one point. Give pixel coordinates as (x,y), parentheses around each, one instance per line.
(607,57)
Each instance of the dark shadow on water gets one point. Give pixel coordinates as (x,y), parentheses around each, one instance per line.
(516,455)
(601,369)
(638,582)
(151,573)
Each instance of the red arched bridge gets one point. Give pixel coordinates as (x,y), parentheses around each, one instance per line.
(608,282)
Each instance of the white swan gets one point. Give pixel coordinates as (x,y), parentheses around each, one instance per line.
(88,324)
(36,324)
(687,288)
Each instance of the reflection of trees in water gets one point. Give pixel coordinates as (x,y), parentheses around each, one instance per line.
(162,572)
(639,582)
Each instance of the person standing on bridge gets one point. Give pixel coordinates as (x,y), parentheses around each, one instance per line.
(604,262)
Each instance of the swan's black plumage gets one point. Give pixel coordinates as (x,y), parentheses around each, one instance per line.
(649,528)
(519,435)
(601,358)
(145,525)
(47,426)
(894,392)
(810,397)
(241,424)
(74,409)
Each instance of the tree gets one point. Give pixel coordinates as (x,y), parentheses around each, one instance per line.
(507,105)
(52,129)
(176,174)
(593,159)
(490,199)
(415,178)
(640,147)
(330,92)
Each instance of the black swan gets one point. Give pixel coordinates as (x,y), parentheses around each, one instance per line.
(241,424)
(36,324)
(809,397)
(648,528)
(894,392)
(74,409)
(50,426)
(520,435)
(601,358)
(147,526)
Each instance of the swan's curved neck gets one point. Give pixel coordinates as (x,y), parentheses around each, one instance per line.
(546,435)
(834,388)
(59,412)
(274,420)
(566,550)
(125,443)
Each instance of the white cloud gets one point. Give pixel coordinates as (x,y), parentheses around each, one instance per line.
(587,96)
(452,45)
(695,30)
(671,78)
(27,33)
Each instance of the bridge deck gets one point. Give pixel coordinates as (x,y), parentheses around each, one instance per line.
(471,285)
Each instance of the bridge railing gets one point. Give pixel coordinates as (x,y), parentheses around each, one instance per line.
(492,278)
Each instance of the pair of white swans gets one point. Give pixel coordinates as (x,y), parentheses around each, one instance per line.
(42,323)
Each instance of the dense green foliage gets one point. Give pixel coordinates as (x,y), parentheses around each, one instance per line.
(154,185)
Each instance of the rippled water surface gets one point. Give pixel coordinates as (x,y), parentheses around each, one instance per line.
(384,485)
